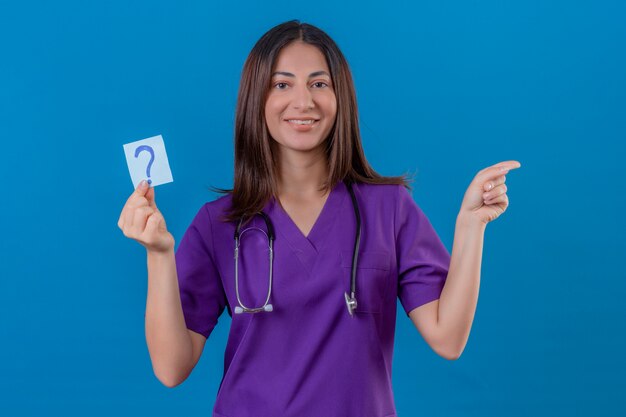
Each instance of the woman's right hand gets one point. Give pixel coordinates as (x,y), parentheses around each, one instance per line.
(141,220)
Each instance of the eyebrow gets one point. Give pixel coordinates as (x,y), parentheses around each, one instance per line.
(311,75)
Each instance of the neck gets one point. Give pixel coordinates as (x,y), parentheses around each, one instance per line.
(302,173)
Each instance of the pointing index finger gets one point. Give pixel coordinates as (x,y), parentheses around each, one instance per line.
(497,170)
(508,165)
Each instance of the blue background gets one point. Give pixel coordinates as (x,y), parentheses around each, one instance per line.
(445,88)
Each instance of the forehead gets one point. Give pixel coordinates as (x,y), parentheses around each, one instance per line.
(300,56)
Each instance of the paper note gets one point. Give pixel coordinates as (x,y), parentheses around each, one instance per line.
(147,160)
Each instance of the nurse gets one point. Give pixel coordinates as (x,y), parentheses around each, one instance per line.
(299,160)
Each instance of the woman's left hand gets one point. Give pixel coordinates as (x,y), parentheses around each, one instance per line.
(486,199)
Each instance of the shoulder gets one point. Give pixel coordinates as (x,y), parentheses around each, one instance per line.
(394,201)
(219,205)
(384,201)
(205,222)
(210,211)
(385,191)
(391,196)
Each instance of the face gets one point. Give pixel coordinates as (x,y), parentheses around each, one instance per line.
(301,106)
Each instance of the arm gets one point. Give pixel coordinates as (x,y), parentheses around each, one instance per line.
(445,323)
(174,350)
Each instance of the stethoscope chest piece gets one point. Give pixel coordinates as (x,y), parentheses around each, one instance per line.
(267,308)
(350,303)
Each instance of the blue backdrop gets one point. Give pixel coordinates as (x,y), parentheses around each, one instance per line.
(445,88)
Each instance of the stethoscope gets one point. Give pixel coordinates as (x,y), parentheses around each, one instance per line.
(350,300)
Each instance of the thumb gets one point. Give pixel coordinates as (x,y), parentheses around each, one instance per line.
(142,187)
(150,196)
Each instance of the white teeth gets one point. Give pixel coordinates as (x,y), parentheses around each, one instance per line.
(301,122)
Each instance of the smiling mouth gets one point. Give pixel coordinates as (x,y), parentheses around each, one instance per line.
(304,122)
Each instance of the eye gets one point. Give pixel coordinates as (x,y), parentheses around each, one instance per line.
(317,84)
(280,85)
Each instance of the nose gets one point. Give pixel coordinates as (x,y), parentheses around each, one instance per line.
(302,99)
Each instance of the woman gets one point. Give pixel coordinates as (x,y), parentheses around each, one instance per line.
(312,324)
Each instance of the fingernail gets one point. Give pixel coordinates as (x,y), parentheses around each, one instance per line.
(142,184)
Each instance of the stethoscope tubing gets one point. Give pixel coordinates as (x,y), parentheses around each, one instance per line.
(350,300)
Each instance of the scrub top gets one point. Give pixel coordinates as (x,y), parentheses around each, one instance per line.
(309,357)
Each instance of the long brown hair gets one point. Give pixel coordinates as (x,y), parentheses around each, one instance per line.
(255,162)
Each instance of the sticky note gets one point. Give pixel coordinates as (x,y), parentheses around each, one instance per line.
(147,160)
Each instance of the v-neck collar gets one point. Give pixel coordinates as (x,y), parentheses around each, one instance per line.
(308,247)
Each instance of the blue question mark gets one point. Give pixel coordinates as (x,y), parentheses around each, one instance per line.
(151,151)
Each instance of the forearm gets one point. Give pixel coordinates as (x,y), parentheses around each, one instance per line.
(167,336)
(458,300)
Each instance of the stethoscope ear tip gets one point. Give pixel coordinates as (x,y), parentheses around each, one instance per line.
(268,308)
(238,310)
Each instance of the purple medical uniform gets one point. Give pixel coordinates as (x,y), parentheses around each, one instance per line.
(309,357)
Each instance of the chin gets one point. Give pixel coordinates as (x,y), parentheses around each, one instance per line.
(300,146)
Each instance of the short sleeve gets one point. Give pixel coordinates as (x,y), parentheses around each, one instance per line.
(423,261)
(201,291)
